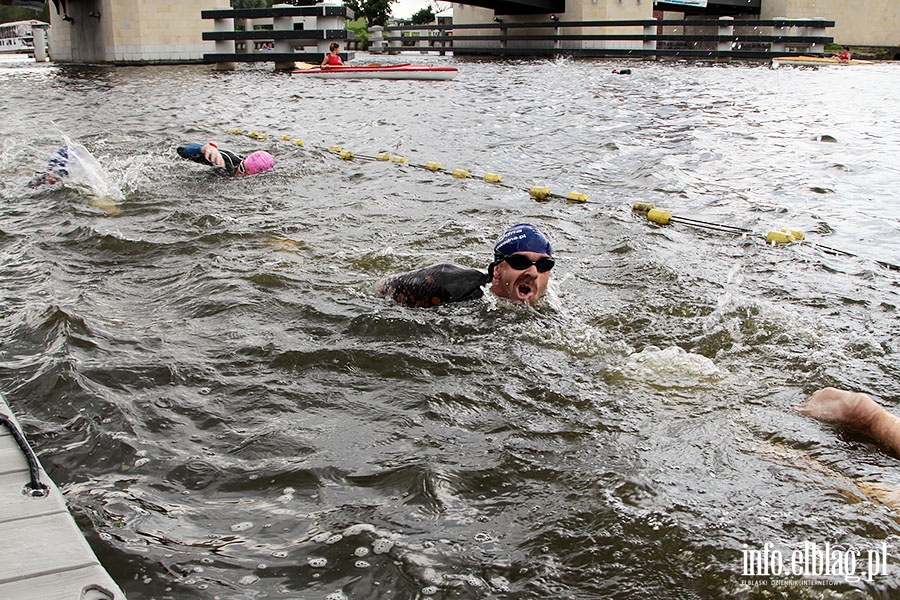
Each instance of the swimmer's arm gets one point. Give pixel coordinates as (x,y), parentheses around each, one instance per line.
(857,411)
(204,153)
(885,429)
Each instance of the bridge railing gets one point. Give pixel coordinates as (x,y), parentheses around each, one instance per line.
(724,38)
(289,34)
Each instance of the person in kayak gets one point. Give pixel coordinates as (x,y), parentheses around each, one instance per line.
(857,411)
(57,170)
(332,59)
(520,271)
(226,161)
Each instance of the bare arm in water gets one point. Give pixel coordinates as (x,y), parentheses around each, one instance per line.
(857,411)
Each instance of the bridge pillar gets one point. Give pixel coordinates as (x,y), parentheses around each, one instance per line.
(130,31)
(40,42)
(779,30)
(649,42)
(286,46)
(224,46)
(376,41)
(726,29)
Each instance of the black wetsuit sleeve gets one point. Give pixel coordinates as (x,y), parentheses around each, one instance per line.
(434,285)
(192,152)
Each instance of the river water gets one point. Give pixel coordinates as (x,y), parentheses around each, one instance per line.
(204,368)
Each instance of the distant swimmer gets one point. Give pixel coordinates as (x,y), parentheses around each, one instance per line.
(226,161)
(333,59)
(57,170)
(622,71)
(519,272)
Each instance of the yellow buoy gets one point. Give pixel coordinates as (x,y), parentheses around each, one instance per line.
(784,236)
(382,156)
(576,198)
(298,142)
(399,159)
(492,178)
(346,155)
(461,174)
(433,166)
(661,217)
(335,149)
(539,193)
(642,207)
(285,138)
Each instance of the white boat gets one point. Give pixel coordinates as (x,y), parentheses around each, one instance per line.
(17,37)
(396,71)
(817,61)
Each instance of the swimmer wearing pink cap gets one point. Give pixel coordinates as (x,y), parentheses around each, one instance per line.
(226,161)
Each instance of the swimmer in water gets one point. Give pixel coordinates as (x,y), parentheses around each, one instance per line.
(226,161)
(57,170)
(857,411)
(519,272)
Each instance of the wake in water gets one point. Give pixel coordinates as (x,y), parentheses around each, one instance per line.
(74,167)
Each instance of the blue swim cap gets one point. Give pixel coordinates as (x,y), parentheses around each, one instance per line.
(523,237)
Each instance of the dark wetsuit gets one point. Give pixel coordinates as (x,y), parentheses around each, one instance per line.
(437,284)
(192,152)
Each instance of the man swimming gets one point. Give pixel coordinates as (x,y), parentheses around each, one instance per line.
(226,161)
(519,272)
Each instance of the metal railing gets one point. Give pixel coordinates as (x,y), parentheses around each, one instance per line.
(293,33)
(724,38)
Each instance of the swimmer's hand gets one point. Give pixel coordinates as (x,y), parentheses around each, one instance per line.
(842,407)
(858,411)
(212,154)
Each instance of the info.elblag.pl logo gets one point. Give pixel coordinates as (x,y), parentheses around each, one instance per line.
(817,560)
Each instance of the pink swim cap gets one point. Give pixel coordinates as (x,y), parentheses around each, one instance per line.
(258,162)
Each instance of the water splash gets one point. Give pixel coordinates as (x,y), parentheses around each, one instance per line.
(88,176)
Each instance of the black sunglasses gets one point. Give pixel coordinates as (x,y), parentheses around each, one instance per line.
(520,262)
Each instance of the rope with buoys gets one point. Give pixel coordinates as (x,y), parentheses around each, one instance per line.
(539,193)
(543,194)
(781,236)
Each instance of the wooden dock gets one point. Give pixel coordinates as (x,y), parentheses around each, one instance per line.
(43,554)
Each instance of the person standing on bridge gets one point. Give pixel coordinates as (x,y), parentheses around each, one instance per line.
(332,59)
(226,161)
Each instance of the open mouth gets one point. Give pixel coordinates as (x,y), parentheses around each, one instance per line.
(524,290)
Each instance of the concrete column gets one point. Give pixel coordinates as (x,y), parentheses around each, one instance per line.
(393,43)
(376,39)
(778,30)
(726,28)
(224,46)
(818,31)
(40,44)
(649,44)
(324,23)
(283,46)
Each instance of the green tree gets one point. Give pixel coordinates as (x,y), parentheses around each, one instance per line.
(423,17)
(9,13)
(251,3)
(375,12)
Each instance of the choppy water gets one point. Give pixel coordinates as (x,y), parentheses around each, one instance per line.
(205,369)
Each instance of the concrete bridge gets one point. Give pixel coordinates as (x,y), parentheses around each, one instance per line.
(165,31)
